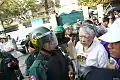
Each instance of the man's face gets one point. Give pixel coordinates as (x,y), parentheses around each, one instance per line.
(114,49)
(85,38)
(105,24)
(51,43)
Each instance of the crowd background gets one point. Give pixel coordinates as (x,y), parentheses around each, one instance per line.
(80,42)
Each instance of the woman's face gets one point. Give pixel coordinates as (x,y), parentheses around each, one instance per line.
(68,31)
(85,38)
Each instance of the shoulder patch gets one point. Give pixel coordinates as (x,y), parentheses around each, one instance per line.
(32,78)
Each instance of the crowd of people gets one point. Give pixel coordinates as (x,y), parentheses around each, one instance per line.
(57,54)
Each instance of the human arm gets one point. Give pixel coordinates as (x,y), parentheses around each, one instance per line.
(102,58)
(11,61)
(29,61)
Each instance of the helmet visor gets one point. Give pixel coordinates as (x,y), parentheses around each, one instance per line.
(50,38)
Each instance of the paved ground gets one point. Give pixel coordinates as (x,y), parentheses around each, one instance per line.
(22,65)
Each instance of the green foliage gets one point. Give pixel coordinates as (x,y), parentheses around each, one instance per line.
(12,8)
(93,2)
(12,26)
(57,4)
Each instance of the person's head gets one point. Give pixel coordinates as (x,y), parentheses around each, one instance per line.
(3,38)
(27,37)
(60,33)
(86,35)
(43,38)
(105,21)
(95,21)
(79,22)
(87,22)
(111,17)
(9,37)
(113,37)
(31,48)
(76,28)
(68,29)
(91,14)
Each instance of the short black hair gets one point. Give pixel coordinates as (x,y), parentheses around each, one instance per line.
(29,44)
(8,36)
(27,35)
(87,22)
(105,19)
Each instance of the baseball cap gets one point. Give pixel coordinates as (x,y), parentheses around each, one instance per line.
(113,34)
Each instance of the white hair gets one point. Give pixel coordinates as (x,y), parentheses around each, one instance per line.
(90,29)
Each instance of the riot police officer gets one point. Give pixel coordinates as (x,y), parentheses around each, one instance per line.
(62,40)
(50,63)
(67,49)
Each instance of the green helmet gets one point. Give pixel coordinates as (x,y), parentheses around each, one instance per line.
(59,29)
(42,35)
(60,33)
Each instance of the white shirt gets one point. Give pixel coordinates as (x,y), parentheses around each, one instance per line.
(10,44)
(96,55)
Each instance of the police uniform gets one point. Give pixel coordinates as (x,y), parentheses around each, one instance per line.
(54,67)
(50,63)
(29,61)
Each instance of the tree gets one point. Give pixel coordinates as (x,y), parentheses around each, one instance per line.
(93,2)
(17,8)
(57,3)
(47,5)
(10,9)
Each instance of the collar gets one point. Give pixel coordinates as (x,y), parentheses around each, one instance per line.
(46,52)
(93,44)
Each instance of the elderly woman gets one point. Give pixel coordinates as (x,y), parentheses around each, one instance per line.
(93,53)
